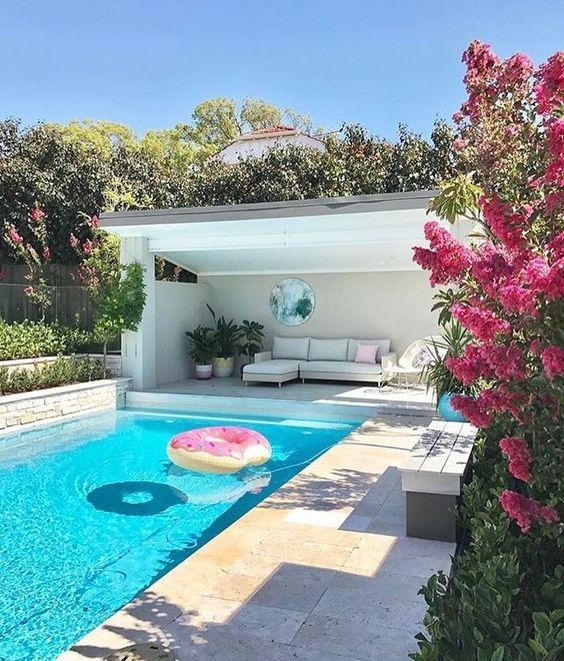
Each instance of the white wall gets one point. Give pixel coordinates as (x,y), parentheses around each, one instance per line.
(259,146)
(180,307)
(393,305)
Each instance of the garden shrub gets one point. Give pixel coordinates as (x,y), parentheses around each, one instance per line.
(34,339)
(61,372)
(505,598)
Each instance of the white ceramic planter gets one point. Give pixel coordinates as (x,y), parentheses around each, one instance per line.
(204,371)
(223,367)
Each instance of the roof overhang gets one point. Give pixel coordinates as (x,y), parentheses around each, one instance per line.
(348,234)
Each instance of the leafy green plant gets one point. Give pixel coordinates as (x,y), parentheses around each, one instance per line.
(61,372)
(203,344)
(227,335)
(435,373)
(252,336)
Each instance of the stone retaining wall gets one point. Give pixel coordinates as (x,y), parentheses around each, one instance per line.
(56,403)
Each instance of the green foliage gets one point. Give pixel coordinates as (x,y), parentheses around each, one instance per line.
(203,345)
(505,597)
(458,198)
(61,372)
(227,335)
(119,299)
(451,344)
(34,339)
(252,335)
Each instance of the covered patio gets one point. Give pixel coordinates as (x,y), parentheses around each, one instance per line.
(355,254)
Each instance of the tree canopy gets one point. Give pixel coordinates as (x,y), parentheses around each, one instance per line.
(91,166)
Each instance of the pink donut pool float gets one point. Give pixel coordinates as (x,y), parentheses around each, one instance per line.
(219,449)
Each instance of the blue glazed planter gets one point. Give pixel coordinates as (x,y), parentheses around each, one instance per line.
(447,412)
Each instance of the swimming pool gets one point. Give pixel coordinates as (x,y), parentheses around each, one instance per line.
(92,512)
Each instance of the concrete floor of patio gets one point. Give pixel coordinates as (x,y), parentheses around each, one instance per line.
(415,398)
(321,570)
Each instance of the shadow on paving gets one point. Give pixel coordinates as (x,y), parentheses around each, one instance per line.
(298,611)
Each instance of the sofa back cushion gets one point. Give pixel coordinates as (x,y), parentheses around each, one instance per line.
(328,349)
(383,347)
(295,348)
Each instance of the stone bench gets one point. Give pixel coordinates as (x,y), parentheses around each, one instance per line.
(432,479)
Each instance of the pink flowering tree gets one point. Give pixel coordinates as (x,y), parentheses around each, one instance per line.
(510,280)
(35,251)
(506,287)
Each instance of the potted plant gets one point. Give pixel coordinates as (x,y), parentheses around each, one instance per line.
(252,335)
(436,374)
(227,335)
(203,347)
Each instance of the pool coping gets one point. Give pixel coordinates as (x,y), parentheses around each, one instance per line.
(340,541)
(300,409)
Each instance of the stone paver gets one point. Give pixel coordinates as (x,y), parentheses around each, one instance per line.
(321,570)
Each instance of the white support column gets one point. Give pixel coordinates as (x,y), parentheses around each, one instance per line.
(138,349)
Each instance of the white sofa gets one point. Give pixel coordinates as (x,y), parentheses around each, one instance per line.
(316,359)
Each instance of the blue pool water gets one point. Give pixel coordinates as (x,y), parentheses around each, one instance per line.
(92,512)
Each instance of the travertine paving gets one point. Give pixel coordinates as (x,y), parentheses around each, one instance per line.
(321,570)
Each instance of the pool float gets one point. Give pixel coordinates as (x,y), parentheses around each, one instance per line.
(219,449)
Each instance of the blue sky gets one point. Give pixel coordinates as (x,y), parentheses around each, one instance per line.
(147,63)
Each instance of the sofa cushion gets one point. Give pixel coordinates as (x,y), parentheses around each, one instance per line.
(366,353)
(277,367)
(290,348)
(383,347)
(333,367)
(328,349)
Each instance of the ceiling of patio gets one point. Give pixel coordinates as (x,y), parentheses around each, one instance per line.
(368,233)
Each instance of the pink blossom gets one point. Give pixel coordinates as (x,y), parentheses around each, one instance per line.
(549,89)
(536,347)
(519,456)
(509,227)
(458,117)
(553,361)
(447,259)
(29,290)
(556,246)
(87,247)
(554,202)
(515,298)
(481,63)
(500,399)
(517,69)
(459,144)
(471,410)
(491,268)
(507,362)
(14,236)
(46,253)
(480,321)
(94,221)
(525,510)
(73,241)
(472,365)
(37,215)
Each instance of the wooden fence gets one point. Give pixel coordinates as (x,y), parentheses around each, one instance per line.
(71,303)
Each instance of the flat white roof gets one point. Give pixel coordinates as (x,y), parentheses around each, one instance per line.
(346,234)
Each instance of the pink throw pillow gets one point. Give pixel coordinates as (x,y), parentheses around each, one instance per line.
(366,353)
